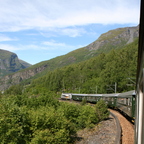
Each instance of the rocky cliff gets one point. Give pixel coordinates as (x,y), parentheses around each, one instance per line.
(17,77)
(10,63)
(115,38)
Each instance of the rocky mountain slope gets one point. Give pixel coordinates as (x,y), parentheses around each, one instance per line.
(24,63)
(10,63)
(114,39)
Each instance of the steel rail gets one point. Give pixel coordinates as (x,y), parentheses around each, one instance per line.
(119,131)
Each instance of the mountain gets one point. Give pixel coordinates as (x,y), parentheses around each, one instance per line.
(113,39)
(105,73)
(24,63)
(10,63)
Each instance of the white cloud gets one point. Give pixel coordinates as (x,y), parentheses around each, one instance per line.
(8,47)
(73,32)
(58,47)
(49,46)
(53,43)
(68,31)
(41,14)
(6,38)
(19,47)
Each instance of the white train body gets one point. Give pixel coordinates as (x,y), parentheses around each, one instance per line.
(66,96)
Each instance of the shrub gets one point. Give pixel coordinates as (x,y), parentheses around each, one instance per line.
(14,124)
(101,110)
(49,126)
(87,117)
(84,101)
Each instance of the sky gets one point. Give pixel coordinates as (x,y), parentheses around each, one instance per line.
(39,30)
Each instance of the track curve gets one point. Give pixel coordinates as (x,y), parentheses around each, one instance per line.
(126,127)
(119,131)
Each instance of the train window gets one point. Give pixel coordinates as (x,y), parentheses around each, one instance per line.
(126,101)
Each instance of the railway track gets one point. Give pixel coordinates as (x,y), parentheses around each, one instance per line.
(119,130)
(127,129)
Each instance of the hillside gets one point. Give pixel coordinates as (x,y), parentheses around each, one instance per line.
(24,63)
(96,75)
(114,39)
(10,63)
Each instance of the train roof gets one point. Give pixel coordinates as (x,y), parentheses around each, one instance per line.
(129,93)
(124,94)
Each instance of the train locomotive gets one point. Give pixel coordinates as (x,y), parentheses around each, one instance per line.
(125,102)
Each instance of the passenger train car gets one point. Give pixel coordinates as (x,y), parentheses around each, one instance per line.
(124,102)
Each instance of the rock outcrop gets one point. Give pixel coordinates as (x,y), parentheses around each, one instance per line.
(10,63)
(115,38)
(17,77)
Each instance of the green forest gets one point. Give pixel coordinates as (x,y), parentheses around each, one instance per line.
(42,119)
(118,66)
(31,113)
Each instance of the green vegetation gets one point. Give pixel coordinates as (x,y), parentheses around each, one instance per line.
(41,119)
(112,34)
(5,54)
(99,72)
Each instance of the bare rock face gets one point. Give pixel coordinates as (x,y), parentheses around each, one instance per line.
(12,70)
(9,63)
(16,78)
(115,38)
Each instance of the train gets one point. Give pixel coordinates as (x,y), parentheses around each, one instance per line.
(139,121)
(124,102)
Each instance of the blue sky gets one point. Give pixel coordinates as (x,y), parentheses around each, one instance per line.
(39,30)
